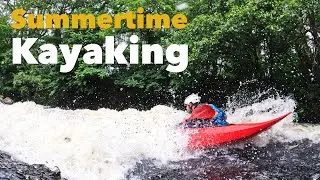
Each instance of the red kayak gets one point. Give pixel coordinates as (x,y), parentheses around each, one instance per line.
(212,136)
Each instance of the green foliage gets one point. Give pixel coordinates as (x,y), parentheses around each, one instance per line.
(275,42)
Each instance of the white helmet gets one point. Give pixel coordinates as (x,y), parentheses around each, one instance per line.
(193,98)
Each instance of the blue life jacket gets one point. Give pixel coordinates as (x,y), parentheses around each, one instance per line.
(220,119)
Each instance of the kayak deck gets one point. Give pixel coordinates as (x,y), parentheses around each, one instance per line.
(212,136)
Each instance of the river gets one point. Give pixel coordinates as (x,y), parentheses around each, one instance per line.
(132,144)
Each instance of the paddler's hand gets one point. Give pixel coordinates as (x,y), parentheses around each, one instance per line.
(185,120)
(180,125)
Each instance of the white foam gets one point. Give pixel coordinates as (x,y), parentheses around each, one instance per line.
(88,144)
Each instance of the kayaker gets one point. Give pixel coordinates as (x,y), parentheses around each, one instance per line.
(203,115)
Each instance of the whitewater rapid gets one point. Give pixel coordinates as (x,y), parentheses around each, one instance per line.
(88,144)
(105,144)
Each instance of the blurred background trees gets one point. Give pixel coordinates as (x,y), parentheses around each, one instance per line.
(268,43)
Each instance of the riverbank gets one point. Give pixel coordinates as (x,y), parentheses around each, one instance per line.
(13,169)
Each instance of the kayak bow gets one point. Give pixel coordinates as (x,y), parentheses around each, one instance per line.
(212,136)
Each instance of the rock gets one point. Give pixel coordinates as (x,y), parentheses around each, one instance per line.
(16,170)
(67,139)
(6,100)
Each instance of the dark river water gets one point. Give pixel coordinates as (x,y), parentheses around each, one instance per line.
(295,160)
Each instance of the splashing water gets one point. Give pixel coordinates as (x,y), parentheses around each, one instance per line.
(105,144)
(270,107)
(88,144)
